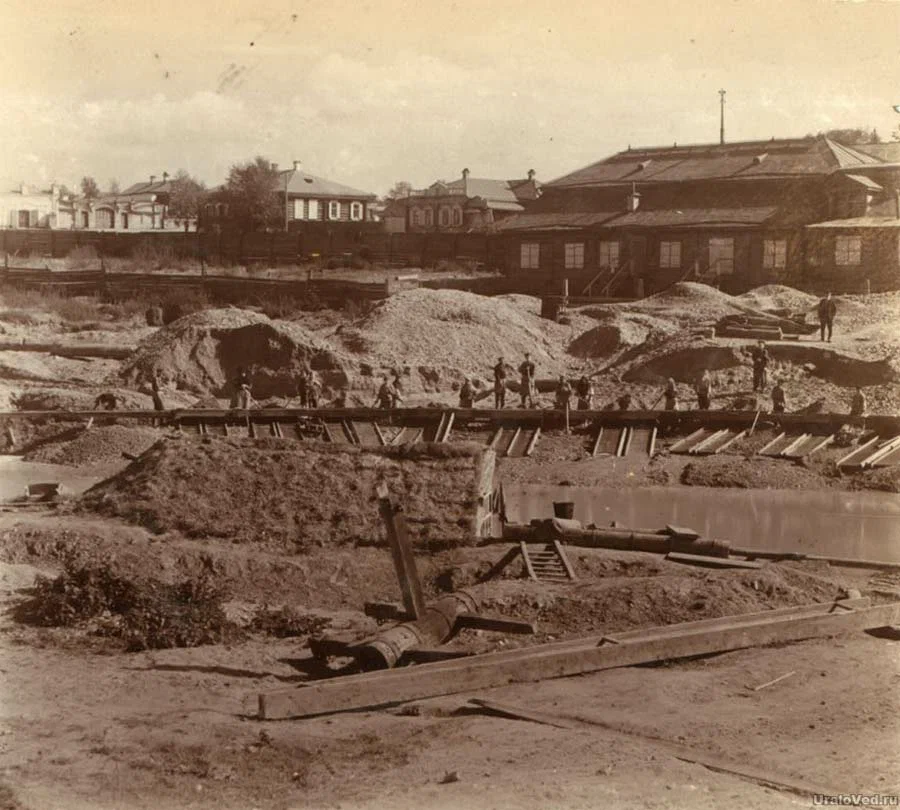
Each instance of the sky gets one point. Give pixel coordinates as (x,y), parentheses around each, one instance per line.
(371,93)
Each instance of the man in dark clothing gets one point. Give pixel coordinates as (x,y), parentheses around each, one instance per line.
(704,391)
(563,393)
(671,395)
(526,373)
(386,398)
(827,311)
(624,402)
(778,398)
(858,404)
(154,393)
(585,393)
(303,388)
(313,389)
(467,395)
(760,356)
(500,384)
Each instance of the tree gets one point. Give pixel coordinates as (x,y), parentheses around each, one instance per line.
(853,136)
(89,188)
(401,189)
(186,195)
(251,192)
(113,187)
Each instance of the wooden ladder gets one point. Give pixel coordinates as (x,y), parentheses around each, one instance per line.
(547,563)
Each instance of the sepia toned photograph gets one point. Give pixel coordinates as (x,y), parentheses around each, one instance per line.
(413,405)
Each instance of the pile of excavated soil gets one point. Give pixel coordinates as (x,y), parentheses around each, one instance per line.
(103,443)
(57,398)
(202,352)
(446,334)
(619,331)
(689,302)
(290,496)
(779,297)
(762,473)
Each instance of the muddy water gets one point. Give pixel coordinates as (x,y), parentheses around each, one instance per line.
(838,524)
(16,474)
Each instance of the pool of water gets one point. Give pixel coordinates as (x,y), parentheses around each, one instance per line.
(16,474)
(837,524)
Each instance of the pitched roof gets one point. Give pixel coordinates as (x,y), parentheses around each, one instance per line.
(495,191)
(868,182)
(309,185)
(774,158)
(554,221)
(687,217)
(859,222)
(157,187)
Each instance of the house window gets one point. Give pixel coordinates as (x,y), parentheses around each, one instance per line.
(334,210)
(574,255)
(721,256)
(298,209)
(847,250)
(530,256)
(608,254)
(356,211)
(670,254)
(23,219)
(429,217)
(124,221)
(415,216)
(444,217)
(313,209)
(457,216)
(774,254)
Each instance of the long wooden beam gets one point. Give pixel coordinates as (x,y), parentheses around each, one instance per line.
(563,659)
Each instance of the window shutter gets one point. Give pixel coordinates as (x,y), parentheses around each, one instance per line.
(13,218)
(33,217)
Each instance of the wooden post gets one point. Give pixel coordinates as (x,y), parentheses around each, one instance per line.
(401,551)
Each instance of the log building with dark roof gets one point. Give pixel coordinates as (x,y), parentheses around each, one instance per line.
(807,211)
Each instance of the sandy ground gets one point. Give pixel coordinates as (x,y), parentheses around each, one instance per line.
(87,728)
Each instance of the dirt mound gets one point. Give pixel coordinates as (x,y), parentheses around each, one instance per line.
(41,398)
(734,471)
(618,332)
(446,334)
(684,362)
(105,443)
(778,297)
(688,300)
(201,353)
(290,496)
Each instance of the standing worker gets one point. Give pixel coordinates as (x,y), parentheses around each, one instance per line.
(563,393)
(303,388)
(858,404)
(467,394)
(241,385)
(154,393)
(704,391)
(671,395)
(760,357)
(778,398)
(584,390)
(313,389)
(386,396)
(526,373)
(827,310)
(499,384)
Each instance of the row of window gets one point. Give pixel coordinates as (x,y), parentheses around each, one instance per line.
(447,216)
(721,254)
(312,210)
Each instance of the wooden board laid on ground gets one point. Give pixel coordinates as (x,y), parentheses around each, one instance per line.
(577,657)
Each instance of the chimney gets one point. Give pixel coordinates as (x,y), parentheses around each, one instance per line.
(633,200)
(531,174)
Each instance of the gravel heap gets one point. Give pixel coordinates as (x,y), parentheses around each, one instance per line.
(104,443)
(778,296)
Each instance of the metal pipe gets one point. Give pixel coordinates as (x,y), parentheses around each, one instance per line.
(434,627)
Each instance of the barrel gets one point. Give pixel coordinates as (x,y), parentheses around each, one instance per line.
(564,509)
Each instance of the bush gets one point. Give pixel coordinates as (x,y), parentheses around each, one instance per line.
(287,622)
(17,316)
(77,309)
(83,257)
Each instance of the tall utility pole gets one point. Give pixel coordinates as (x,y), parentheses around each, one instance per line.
(722,117)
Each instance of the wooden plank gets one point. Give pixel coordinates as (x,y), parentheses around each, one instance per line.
(651,443)
(797,442)
(710,562)
(495,439)
(764,451)
(730,442)
(859,451)
(687,441)
(620,445)
(536,434)
(496,624)
(523,548)
(563,558)
(556,660)
(447,427)
(398,439)
(382,441)
(885,449)
(401,551)
(629,440)
(511,447)
(700,447)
